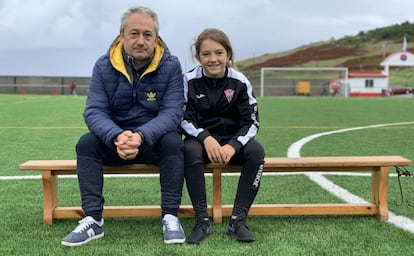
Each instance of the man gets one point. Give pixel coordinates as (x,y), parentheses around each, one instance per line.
(72,88)
(133,109)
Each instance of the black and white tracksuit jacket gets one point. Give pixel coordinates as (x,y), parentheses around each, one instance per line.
(224,108)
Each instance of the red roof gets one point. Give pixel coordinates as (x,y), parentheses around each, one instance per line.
(352,74)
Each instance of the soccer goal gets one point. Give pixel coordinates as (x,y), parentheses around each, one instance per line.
(304,81)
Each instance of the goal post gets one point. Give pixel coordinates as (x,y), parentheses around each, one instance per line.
(318,81)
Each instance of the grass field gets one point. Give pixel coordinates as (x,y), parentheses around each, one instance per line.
(48,127)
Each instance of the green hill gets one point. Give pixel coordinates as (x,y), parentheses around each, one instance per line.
(361,52)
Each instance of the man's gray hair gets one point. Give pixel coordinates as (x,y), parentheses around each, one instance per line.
(142,10)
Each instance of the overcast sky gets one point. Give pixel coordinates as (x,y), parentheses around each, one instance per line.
(65,37)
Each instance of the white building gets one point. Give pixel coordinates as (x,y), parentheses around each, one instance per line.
(375,83)
(398,59)
(367,84)
(360,83)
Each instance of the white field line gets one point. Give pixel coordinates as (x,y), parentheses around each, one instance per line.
(38,177)
(294,151)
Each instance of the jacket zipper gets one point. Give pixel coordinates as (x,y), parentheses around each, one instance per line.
(134,89)
(215,94)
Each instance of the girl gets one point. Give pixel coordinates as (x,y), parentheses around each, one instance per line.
(220,123)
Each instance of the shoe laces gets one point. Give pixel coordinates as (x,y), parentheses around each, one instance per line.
(237,223)
(84,224)
(201,224)
(171,222)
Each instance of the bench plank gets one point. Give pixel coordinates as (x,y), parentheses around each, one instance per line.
(378,166)
(308,209)
(123,211)
(271,163)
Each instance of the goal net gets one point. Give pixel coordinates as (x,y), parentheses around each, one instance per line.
(304,81)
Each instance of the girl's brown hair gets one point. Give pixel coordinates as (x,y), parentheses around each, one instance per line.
(218,36)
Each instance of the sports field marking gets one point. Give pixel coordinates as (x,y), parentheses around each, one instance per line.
(294,151)
(38,177)
(328,127)
(44,127)
(261,127)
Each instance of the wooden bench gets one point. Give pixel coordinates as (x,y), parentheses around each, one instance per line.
(378,166)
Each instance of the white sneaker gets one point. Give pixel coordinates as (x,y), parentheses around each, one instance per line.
(172,230)
(87,230)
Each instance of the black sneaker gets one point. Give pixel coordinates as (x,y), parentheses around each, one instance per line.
(201,230)
(240,230)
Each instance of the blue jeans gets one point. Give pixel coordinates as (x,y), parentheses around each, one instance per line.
(92,154)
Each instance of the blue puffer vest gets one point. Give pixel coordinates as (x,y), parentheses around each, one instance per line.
(154,106)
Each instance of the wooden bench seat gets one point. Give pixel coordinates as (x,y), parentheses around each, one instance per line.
(378,166)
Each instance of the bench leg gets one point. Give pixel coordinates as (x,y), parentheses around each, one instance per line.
(217,197)
(50,196)
(380,192)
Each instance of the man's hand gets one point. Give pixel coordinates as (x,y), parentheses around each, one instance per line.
(127,144)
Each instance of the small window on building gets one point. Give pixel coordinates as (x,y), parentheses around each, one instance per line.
(369,83)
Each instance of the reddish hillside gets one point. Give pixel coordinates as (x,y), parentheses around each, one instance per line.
(351,57)
(315,53)
(362,52)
